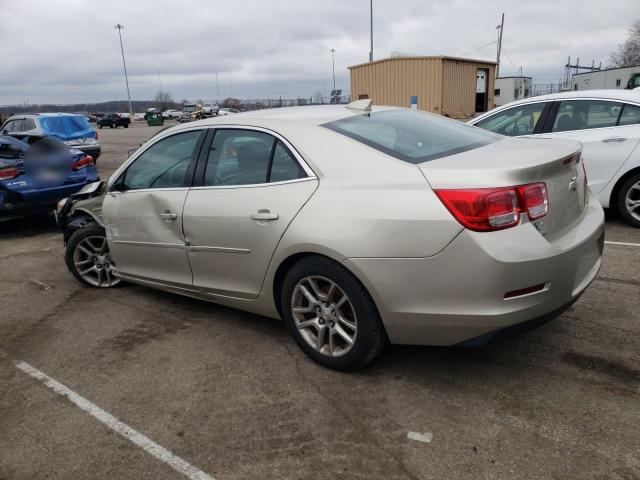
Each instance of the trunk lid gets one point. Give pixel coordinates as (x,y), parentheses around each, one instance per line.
(519,161)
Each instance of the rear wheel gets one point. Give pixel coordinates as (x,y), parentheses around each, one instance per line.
(126,125)
(629,200)
(330,314)
(88,258)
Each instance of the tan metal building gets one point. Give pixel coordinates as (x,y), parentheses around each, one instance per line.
(456,87)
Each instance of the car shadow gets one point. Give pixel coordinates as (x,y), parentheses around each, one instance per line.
(28,226)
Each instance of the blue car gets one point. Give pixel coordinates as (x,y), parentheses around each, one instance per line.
(72,129)
(36,172)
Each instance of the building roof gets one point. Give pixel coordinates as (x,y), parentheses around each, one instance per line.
(418,57)
(611,94)
(514,76)
(605,70)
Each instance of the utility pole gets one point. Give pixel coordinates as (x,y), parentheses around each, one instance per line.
(499,28)
(217,88)
(333,66)
(371,29)
(126,79)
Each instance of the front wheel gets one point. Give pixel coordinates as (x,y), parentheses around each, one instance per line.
(88,258)
(330,314)
(628,201)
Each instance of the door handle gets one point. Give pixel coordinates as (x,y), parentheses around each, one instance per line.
(265,215)
(613,139)
(168,216)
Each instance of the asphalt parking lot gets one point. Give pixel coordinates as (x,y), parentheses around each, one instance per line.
(230,394)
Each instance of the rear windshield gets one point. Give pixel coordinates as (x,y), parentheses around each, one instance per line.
(66,127)
(412,136)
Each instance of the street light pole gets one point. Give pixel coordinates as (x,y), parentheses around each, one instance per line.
(126,79)
(333,66)
(371,29)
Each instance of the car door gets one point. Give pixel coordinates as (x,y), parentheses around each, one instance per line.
(606,144)
(519,120)
(251,186)
(142,211)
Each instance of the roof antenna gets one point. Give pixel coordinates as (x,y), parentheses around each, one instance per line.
(363,105)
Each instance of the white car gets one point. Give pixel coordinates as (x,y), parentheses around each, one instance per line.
(606,122)
(227,111)
(171,113)
(210,109)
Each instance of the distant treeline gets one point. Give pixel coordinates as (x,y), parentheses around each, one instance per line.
(103,107)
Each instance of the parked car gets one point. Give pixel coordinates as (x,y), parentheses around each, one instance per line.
(73,130)
(227,111)
(113,120)
(140,116)
(210,109)
(36,172)
(393,225)
(606,122)
(171,114)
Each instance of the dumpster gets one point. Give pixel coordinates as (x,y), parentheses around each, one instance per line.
(154,119)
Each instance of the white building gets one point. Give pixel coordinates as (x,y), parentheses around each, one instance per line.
(609,78)
(509,89)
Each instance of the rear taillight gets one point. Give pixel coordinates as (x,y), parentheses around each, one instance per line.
(489,209)
(535,200)
(86,161)
(8,173)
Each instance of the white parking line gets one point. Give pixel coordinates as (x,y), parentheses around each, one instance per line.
(113,423)
(628,244)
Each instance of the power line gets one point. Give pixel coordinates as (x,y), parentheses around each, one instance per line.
(480,48)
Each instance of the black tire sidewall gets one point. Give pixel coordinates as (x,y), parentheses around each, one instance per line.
(371,337)
(621,202)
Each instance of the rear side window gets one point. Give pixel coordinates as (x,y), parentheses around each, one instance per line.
(29,124)
(411,136)
(583,114)
(630,115)
(248,157)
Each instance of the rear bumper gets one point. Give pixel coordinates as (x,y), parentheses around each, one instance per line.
(459,294)
(28,202)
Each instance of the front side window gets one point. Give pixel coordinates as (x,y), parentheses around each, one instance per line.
(583,114)
(163,165)
(29,124)
(247,157)
(514,121)
(630,115)
(412,136)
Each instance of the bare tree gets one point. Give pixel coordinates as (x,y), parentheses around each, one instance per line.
(628,53)
(317,97)
(232,103)
(164,100)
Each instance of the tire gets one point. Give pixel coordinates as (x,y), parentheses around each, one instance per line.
(126,125)
(84,248)
(368,338)
(99,126)
(630,192)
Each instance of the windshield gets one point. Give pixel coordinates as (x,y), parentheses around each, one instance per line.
(189,109)
(412,136)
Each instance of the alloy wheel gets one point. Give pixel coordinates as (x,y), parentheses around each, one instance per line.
(632,200)
(324,316)
(93,262)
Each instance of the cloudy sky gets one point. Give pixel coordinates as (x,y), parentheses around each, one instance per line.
(67,51)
